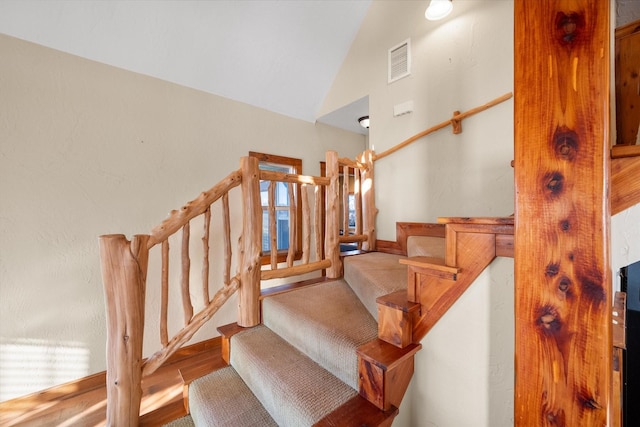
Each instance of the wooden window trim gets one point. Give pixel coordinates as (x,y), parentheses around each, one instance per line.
(296,164)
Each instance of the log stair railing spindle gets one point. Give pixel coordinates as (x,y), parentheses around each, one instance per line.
(187,306)
(205,255)
(293,229)
(164,298)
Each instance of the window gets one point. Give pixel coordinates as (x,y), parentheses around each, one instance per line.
(283,222)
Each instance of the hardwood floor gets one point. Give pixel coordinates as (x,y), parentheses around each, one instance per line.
(83,402)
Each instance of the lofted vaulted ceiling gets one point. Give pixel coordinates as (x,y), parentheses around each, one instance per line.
(280,55)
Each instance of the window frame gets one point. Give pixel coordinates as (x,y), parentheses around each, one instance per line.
(296,165)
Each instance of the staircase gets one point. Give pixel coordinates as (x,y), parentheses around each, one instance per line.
(340,352)
(337,353)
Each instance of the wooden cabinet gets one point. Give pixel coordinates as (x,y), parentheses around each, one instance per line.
(627,76)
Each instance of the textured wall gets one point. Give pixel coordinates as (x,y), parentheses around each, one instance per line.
(88,149)
(626,11)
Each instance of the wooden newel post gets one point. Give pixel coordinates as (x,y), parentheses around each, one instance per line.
(124,272)
(332,233)
(369,210)
(250,244)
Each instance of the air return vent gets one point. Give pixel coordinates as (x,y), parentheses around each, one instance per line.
(400,61)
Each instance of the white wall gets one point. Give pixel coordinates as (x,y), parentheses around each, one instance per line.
(625,241)
(464,374)
(88,149)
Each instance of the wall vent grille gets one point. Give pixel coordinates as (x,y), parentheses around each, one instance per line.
(400,61)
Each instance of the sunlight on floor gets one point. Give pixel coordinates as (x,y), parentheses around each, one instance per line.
(27,366)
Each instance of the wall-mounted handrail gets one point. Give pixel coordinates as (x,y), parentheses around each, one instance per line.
(454,121)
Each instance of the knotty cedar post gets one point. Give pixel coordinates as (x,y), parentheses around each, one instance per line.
(563,293)
(250,244)
(332,233)
(124,272)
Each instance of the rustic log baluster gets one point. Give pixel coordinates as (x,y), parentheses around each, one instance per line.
(273,228)
(357,182)
(369,211)
(345,200)
(226,219)
(250,244)
(332,235)
(186,267)
(124,270)
(293,228)
(205,253)
(164,298)
(318,222)
(306,224)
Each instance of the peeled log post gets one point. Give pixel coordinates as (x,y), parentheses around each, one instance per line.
(318,221)
(273,229)
(186,268)
(205,250)
(250,244)
(332,233)
(226,224)
(306,224)
(293,229)
(124,270)
(369,210)
(357,190)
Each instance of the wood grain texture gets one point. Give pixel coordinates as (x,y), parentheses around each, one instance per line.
(563,291)
(384,372)
(625,183)
(332,230)
(250,244)
(358,412)
(369,210)
(124,270)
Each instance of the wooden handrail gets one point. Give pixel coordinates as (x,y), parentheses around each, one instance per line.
(457,118)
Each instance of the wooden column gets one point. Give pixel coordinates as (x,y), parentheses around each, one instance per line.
(250,244)
(124,271)
(563,290)
(332,232)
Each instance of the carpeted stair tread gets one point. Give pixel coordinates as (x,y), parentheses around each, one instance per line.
(327,322)
(221,398)
(373,275)
(294,389)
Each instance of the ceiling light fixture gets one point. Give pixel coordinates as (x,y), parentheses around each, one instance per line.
(364,122)
(438,9)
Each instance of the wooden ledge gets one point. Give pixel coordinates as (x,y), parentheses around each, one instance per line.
(385,355)
(619,151)
(430,263)
(358,412)
(398,300)
(508,220)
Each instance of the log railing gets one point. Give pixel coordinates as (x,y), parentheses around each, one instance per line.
(124,263)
